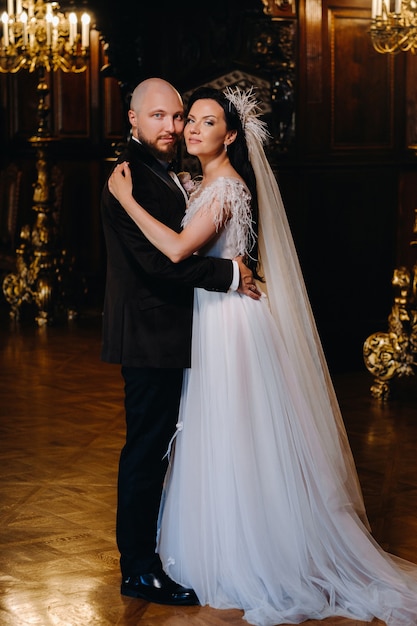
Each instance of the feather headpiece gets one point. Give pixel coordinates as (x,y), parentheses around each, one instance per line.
(247,107)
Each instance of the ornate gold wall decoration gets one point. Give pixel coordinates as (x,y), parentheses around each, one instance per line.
(394,353)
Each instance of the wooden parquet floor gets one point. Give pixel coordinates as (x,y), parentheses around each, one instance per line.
(61,429)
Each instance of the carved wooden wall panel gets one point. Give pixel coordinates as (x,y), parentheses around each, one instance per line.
(348,97)
(361,84)
(311,132)
(313,51)
(72,105)
(114,124)
(22,105)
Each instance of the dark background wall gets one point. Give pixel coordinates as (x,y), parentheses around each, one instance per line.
(342,117)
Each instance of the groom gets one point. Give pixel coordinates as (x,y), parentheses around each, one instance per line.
(147,329)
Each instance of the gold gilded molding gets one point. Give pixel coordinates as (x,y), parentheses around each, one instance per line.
(393,354)
(280,8)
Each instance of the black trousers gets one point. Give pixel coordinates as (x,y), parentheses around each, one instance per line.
(152,399)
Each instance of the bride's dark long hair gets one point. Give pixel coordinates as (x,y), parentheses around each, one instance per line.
(239,157)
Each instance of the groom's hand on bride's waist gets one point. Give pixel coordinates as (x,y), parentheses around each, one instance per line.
(247,284)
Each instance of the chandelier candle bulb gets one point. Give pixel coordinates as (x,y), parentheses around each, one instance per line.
(55,22)
(18,7)
(72,18)
(48,19)
(10,7)
(5,20)
(85,32)
(24,20)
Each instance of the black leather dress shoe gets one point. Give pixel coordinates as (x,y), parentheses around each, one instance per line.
(158,587)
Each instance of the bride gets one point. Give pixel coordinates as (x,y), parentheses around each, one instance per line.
(262,509)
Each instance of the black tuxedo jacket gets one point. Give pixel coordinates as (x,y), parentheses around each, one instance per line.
(148,299)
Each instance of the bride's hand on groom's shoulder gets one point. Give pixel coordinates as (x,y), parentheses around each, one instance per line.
(120,182)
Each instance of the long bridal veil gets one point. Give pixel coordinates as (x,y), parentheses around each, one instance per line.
(291,309)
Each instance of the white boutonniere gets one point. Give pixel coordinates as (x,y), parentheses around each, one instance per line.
(186,181)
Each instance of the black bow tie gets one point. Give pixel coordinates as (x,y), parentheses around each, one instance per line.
(168,167)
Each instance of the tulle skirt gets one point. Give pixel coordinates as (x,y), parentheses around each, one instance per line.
(254,515)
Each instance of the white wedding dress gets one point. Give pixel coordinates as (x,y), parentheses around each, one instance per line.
(256,513)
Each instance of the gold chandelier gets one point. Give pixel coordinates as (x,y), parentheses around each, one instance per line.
(394,26)
(37,34)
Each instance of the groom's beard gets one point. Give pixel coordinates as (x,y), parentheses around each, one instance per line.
(162,155)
